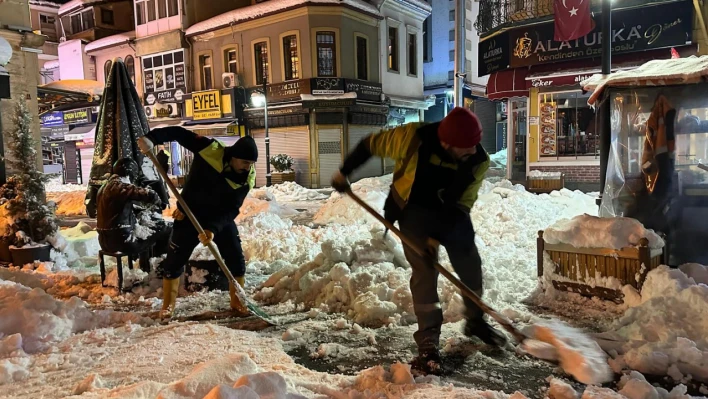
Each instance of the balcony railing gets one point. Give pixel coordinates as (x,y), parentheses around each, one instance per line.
(497,13)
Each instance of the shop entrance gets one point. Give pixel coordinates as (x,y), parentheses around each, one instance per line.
(518,127)
(567,126)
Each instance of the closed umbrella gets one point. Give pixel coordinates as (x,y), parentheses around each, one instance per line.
(121,121)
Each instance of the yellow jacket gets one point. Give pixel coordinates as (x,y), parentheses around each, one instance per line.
(401,144)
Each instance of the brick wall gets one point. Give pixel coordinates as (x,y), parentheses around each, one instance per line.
(574,174)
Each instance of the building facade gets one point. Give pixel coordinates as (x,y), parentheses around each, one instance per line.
(401,58)
(19,47)
(44,17)
(320,103)
(548,125)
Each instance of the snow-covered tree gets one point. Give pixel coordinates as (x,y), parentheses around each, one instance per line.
(28,209)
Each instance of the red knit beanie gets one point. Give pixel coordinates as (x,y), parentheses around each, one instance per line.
(460,128)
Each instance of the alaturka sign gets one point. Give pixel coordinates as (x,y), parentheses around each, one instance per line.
(643,28)
(639,29)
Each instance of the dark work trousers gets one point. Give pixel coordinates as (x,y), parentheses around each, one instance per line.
(456,234)
(185,238)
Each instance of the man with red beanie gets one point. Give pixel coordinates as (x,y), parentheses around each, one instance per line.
(439,170)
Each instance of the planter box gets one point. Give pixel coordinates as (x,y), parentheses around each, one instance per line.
(579,264)
(25,255)
(545,184)
(279,178)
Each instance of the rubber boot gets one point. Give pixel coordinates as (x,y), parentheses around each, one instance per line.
(236,306)
(170,289)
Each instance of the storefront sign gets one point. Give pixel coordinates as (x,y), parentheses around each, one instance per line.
(52,119)
(76,116)
(285,91)
(206,105)
(295,109)
(365,90)
(634,30)
(327,86)
(494,54)
(162,111)
(549,81)
(166,96)
(345,102)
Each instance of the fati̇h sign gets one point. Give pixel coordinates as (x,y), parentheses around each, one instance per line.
(633,30)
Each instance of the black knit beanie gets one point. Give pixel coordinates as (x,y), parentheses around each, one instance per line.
(245,148)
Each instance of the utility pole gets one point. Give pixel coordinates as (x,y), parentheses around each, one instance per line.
(460,34)
(265,124)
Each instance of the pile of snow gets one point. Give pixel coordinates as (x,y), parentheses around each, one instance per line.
(56,186)
(587,231)
(75,247)
(664,330)
(632,386)
(69,203)
(289,192)
(366,276)
(42,321)
(499,159)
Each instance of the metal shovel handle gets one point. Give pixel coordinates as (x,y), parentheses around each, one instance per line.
(464,289)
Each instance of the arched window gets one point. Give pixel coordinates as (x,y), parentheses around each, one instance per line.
(130,66)
(107,70)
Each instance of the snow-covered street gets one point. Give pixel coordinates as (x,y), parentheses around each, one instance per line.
(339,290)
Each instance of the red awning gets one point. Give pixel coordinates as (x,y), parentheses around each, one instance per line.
(506,84)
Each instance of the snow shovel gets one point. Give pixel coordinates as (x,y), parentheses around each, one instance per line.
(212,247)
(584,362)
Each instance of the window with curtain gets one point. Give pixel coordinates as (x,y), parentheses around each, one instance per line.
(206,67)
(140,13)
(393,49)
(151,11)
(230,60)
(107,70)
(362,58)
(260,57)
(162,8)
(172,8)
(326,54)
(130,66)
(291,57)
(412,54)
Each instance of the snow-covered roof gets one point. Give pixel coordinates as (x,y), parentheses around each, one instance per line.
(44,3)
(89,87)
(51,64)
(270,7)
(110,41)
(653,73)
(329,97)
(75,4)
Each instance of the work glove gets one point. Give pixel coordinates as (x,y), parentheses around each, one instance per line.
(206,237)
(145,145)
(340,182)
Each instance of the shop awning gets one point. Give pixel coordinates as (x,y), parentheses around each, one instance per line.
(507,84)
(209,128)
(161,124)
(409,102)
(86,133)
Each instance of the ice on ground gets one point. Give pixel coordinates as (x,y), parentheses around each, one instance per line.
(586,231)
(665,333)
(43,321)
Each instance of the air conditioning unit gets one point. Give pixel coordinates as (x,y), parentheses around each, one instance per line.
(229,80)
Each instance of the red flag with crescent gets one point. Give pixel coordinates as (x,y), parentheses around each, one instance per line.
(572,18)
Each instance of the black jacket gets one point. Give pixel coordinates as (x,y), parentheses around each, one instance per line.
(213,192)
(114,205)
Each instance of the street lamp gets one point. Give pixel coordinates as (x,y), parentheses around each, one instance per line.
(261,100)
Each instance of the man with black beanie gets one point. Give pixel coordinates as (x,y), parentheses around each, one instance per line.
(217,184)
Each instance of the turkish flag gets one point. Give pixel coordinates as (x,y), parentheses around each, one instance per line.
(572,19)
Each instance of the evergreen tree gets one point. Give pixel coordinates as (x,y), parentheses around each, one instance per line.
(28,208)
